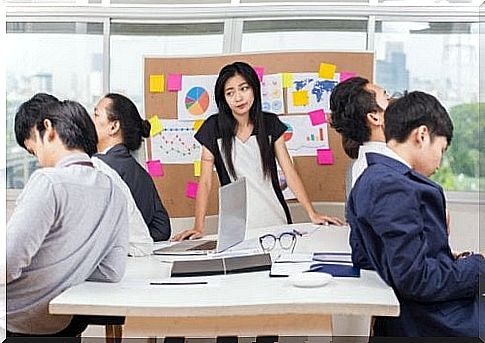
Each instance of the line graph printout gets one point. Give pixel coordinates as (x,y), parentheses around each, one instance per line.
(318,91)
(176,143)
(196,100)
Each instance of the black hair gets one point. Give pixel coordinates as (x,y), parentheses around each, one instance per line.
(227,123)
(351,147)
(69,118)
(133,127)
(350,101)
(413,110)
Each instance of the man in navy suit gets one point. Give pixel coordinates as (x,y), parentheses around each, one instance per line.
(398,226)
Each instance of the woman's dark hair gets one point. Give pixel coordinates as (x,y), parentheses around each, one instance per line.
(133,127)
(228,124)
(413,110)
(69,118)
(350,102)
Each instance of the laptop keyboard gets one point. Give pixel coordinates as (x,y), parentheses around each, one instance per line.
(209,245)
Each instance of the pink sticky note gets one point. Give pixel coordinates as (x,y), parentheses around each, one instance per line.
(317,117)
(324,156)
(260,72)
(154,168)
(191,189)
(344,75)
(174,82)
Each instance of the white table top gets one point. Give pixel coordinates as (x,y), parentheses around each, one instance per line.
(230,295)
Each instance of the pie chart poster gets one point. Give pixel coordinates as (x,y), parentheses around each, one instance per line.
(195,99)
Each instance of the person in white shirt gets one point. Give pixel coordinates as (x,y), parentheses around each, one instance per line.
(358,108)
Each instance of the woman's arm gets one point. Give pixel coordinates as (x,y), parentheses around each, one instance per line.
(202,198)
(296,185)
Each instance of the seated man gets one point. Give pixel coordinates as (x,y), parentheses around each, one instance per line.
(70,224)
(398,226)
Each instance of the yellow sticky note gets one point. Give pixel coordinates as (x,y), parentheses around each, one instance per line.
(197,124)
(287,80)
(327,71)
(300,98)
(156,125)
(157,83)
(197,168)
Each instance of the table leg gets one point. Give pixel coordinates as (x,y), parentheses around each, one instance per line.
(114,333)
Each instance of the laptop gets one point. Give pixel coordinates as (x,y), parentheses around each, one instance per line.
(231,227)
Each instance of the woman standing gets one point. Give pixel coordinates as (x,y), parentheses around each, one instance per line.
(243,141)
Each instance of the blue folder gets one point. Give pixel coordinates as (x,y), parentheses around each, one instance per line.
(338,270)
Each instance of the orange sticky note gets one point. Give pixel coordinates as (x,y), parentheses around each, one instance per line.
(300,98)
(197,168)
(155,168)
(157,83)
(287,80)
(191,189)
(156,125)
(327,71)
(197,124)
(324,156)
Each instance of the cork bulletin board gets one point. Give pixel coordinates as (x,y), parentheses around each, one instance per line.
(322,182)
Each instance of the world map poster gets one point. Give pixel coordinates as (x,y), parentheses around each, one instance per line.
(317,91)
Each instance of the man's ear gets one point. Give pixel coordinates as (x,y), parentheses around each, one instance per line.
(375,118)
(49,130)
(422,134)
(114,127)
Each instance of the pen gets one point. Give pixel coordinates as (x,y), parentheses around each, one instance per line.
(178,283)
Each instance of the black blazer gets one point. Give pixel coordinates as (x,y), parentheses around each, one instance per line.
(142,188)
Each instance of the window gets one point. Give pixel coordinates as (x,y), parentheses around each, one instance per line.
(441,59)
(130,42)
(304,34)
(60,58)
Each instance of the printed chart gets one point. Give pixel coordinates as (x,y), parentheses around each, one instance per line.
(195,100)
(176,143)
(272,94)
(302,139)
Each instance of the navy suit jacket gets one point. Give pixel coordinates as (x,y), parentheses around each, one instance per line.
(142,188)
(398,228)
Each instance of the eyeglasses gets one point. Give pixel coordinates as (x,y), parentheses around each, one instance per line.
(287,241)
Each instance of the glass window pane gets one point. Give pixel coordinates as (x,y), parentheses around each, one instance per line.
(169,2)
(130,42)
(63,59)
(304,35)
(441,59)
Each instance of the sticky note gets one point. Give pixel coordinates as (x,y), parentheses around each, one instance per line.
(287,80)
(300,98)
(154,168)
(345,75)
(327,71)
(156,125)
(260,72)
(197,168)
(157,83)
(174,82)
(197,124)
(324,156)
(317,117)
(191,189)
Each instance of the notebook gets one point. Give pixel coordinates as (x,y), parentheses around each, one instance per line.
(231,228)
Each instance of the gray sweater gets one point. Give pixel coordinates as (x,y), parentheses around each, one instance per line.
(70,225)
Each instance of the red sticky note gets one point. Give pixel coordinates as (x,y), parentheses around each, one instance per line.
(324,156)
(155,168)
(191,189)
(345,75)
(317,117)
(260,72)
(174,82)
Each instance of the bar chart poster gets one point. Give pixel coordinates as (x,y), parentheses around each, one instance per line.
(302,139)
(176,143)
(195,100)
